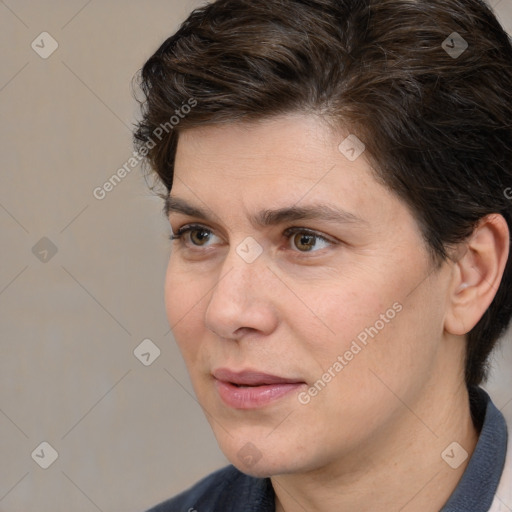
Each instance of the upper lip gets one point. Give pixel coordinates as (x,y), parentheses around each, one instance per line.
(250,377)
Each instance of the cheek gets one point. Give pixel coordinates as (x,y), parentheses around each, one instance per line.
(338,314)
(395,350)
(184,302)
(174,307)
(361,325)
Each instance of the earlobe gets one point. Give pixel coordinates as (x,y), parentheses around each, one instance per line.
(477,274)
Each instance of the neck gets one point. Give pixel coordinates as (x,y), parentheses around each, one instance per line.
(402,469)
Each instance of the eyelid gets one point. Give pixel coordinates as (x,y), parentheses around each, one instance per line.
(287,233)
(190,227)
(187,228)
(297,229)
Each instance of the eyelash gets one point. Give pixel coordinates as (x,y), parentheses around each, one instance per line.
(288,233)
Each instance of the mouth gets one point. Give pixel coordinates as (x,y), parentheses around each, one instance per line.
(249,389)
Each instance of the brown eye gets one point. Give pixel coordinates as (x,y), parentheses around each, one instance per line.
(196,236)
(199,236)
(304,241)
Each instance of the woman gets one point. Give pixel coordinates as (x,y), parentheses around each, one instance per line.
(335,178)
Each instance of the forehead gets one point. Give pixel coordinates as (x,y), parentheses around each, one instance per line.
(276,163)
(293,136)
(296,152)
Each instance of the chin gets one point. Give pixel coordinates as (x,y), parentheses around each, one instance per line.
(262,469)
(263,461)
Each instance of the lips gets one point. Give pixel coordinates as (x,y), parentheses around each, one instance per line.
(251,389)
(251,378)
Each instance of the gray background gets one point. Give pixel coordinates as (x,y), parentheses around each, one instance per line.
(127,435)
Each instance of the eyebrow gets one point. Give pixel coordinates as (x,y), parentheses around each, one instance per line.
(271,217)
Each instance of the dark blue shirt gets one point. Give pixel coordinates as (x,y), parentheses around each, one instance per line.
(229,490)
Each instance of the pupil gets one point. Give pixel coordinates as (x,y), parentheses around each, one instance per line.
(201,236)
(306,242)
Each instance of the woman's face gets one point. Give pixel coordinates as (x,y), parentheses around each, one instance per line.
(303,300)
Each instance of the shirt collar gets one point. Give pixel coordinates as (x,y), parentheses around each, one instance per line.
(480,480)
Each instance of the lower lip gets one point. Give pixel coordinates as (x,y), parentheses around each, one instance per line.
(254,396)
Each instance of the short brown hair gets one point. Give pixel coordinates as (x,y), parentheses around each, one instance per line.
(437,125)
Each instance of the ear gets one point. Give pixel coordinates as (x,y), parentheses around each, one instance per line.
(477,273)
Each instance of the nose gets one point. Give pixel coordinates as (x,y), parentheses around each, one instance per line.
(242,301)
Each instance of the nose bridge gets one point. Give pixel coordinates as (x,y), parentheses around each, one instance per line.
(242,267)
(238,298)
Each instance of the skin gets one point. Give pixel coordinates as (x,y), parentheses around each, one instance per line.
(372,438)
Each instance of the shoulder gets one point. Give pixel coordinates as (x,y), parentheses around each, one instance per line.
(503,498)
(222,491)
